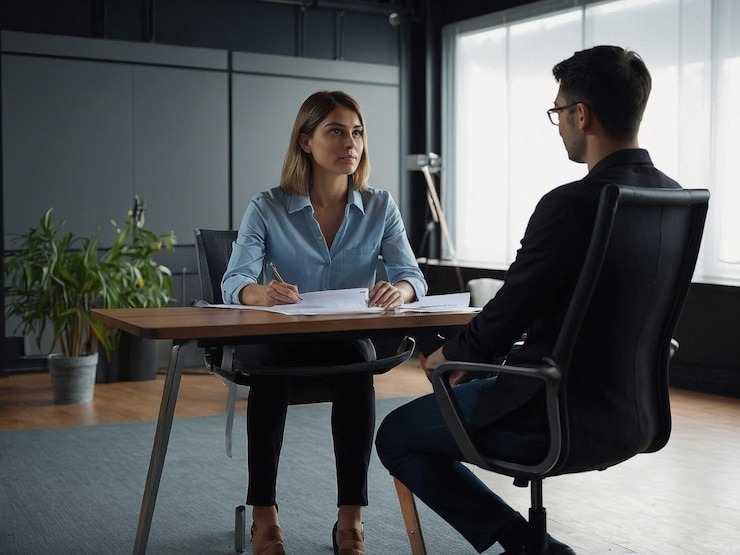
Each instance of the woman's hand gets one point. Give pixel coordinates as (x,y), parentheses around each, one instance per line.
(387,295)
(274,293)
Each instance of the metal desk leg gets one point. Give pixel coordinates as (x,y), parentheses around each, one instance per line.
(159,449)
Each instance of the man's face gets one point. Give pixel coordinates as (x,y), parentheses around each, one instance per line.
(573,140)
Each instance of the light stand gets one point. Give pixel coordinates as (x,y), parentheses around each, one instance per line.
(428,164)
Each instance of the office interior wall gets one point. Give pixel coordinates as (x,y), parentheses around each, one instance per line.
(87,124)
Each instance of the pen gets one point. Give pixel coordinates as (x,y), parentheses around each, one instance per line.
(280,278)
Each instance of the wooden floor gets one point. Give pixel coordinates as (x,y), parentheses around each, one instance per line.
(683,499)
(26,401)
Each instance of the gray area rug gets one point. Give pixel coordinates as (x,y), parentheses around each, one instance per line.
(78,490)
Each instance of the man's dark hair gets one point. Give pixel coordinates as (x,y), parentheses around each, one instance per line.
(613,82)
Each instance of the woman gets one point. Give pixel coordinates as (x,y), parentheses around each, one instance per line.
(323,228)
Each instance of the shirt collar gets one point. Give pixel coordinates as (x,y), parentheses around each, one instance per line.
(296,203)
(628,156)
(355,197)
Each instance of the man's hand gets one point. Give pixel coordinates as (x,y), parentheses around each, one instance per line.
(460,376)
(428,364)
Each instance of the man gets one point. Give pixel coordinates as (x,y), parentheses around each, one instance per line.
(598,109)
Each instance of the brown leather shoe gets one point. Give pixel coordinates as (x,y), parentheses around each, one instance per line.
(348,542)
(268,541)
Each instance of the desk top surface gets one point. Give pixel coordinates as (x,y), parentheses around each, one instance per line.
(184,323)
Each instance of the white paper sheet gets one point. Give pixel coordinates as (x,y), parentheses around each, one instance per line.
(338,301)
(452,302)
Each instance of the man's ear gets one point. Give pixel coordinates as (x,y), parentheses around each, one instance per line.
(584,116)
(305,142)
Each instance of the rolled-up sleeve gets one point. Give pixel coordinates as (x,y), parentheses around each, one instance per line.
(245,264)
(398,256)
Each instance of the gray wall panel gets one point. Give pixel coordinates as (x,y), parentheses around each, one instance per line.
(382,115)
(113,50)
(317,70)
(67,143)
(264,108)
(181,148)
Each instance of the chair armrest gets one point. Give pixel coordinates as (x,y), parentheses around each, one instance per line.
(444,393)
(378,366)
(220,362)
(212,357)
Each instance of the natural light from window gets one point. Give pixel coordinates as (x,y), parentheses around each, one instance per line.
(501,154)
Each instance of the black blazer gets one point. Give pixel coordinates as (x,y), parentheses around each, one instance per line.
(541,280)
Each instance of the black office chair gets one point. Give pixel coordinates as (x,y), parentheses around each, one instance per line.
(606,382)
(214,250)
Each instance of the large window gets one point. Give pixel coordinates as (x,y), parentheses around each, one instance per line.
(501,154)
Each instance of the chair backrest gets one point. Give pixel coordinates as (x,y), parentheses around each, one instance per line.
(214,250)
(614,347)
(483,290)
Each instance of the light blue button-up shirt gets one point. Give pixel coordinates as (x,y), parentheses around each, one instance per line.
(279,227)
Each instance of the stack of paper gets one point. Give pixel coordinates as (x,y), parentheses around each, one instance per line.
(339,301)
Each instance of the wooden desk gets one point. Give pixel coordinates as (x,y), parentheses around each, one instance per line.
(210,325)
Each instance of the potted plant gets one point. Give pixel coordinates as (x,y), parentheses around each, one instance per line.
(144,283)
(141,282)
(55,279)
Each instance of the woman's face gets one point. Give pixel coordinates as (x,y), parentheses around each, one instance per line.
(336,145)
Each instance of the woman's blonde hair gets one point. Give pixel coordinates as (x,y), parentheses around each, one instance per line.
(296,174)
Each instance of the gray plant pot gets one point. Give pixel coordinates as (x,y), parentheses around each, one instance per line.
(135,359)
(72,378)
(138,358)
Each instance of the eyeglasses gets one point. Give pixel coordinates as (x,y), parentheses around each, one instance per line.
(554,113)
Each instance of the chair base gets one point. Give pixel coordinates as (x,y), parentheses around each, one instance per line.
(537,537)
(537,529)
(240,529)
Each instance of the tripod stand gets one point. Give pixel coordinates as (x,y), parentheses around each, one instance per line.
(438,216)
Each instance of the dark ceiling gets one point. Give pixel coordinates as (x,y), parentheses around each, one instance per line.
(73,17)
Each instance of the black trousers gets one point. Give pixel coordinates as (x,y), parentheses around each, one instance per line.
(352,415)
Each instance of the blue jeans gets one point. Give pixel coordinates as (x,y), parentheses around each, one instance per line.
(415,445)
